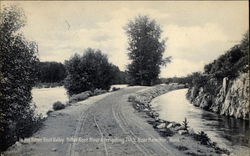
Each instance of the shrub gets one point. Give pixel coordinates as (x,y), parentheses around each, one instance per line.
(202,137)
(99,91)
(80,97)
(185,124)
(58,105)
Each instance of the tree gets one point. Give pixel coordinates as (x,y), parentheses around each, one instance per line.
(88,72)
(120,77)
(18,64)
(145,50)
(50,72)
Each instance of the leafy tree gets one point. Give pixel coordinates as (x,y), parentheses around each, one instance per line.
(18,70)
(145,50)
(88,72)
(121,77)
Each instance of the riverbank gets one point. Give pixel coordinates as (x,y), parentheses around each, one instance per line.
(181,136)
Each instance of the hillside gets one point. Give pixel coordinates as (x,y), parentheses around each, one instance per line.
(223,87)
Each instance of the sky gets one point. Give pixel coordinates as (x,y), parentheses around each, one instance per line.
(197,32)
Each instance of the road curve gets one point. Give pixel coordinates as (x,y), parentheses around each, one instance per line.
(103,125)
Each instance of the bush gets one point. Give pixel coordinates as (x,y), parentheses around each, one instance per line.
(80,97)
(88,72)
(202,137)
(58,105)
(99,91)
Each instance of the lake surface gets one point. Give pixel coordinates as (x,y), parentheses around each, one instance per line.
(230,133)
(45,97)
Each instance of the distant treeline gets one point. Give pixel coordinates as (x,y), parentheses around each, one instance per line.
(55,72)
(51,72)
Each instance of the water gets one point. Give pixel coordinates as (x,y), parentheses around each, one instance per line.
(230,133)
(45,97)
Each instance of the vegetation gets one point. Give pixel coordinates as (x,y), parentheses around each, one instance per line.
(58,105)
(145,50)
(18,72)
(120,77)
(88,72)
(230,65)
(185,124)
(202,137)
(51,72)
(84,95)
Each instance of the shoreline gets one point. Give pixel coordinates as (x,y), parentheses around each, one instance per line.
(181,137)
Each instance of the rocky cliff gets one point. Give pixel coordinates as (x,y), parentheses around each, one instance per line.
(232,98)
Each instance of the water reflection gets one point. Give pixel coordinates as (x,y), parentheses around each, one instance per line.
(228,132)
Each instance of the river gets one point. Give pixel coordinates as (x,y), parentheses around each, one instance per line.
(230,133)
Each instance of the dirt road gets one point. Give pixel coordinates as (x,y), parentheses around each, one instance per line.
(104,125)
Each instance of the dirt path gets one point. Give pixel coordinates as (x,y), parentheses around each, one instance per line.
(106,125)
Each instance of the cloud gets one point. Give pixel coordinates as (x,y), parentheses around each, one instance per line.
(197,32)
(181,67)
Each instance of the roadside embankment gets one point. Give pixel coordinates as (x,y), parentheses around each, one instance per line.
(181,136)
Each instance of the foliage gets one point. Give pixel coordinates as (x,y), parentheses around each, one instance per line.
(88,72)
(145,50)
(185,124)
(18,72)
(230,65)
(99,91)
(84,95)
(80,97)
(51,72)
(202,137)
(58,105)
(120,77)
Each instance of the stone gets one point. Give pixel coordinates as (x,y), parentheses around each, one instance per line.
(191,131)
(182,132)
(53,149)
(180,128)
(170,125)
(176,124)
(161,125)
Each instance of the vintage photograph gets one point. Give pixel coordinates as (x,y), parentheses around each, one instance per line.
(118,78)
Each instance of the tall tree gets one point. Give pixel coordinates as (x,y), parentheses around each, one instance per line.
(145,50)
(18,62)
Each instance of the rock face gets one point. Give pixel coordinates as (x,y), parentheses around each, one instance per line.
(232,99)
(236,101)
